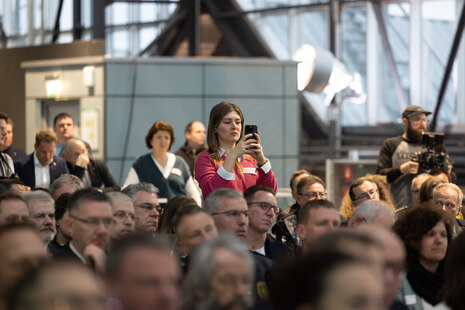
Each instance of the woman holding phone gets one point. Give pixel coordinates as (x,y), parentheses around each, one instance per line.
(233,160)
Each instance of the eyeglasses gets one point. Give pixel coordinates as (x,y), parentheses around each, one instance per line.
(232,213)
(314,195)
(93,221)
(150,207)
(417,119)
(448,204)
(121,215)
(265,206)
(371,193)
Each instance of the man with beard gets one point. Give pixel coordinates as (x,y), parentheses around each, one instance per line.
(395,156)
(42,213)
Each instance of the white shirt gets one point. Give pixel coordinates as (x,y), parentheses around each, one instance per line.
(230,176)
(42,173)
(71,246)
(191,188)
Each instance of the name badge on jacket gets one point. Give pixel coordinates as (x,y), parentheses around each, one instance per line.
(249,170)
(176,171)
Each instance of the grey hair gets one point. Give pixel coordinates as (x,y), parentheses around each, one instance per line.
(118,196)
(37,195)
(132,189)
(213,201)
(370,210)
(201,266)
(66,179)
(454,187)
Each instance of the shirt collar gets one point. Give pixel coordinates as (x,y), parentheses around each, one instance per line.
(71,246)
(222,152)
(37,163)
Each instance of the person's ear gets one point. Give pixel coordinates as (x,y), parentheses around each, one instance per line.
(181,246)
(404,121)
(300,228)
(359,220)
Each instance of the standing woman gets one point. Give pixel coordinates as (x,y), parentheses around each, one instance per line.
(232,160)
(167,171)
(426,234)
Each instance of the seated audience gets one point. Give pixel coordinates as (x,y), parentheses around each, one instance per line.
(166,223)
(13,185)
(147,210)
(59,285)
(89,221)
(263,208)
(327,282)
(426,190)
(417,182)
(426,234)
(448,198)
(66,183)
(21,249)
(377,212)
(316,218)
(220,276)
(284,229)
(63,235)
(92,172)
(394,262)
(123,216)
(42,213)
(42,167)
(141,274)
(7,146)
(7,168)
(365,188)
(13,209)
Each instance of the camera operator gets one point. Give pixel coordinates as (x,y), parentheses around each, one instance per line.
(396,154)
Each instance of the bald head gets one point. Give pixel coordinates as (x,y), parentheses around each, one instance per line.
(73,148)
(376,212)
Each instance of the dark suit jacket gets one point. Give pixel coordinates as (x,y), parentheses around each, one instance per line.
(16,154)
(98,173)
(27,173)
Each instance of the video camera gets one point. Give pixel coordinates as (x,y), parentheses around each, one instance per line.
(433,157)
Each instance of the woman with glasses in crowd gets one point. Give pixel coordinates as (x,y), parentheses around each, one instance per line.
(167,171)
(426,234)
(233,160)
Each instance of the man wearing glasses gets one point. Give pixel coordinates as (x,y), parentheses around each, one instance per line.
(89,222)
(147,210)
(263,208)
(363,190)
(395,156)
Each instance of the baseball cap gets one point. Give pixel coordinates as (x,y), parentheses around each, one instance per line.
(413,110)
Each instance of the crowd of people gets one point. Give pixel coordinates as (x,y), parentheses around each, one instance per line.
(201,228)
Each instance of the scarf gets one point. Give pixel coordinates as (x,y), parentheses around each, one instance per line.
(425,283)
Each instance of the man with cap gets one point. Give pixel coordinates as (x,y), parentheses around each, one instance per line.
(395,156)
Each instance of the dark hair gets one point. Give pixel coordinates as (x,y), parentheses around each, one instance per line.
(156,127)
(304,212)
(86,194)
(356,184)
(454,274)
(217,113)
(414,223)
(59,117)
(4,116)
(188,128)
(183,211)
(308,181)
(166,225)
(250,192)
(5,184)
(303,281)
(10,196)
(62,205)
(426,189)
(125,244)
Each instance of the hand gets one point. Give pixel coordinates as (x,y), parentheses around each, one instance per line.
(257,150)
(409,167)
(243,146)
(83,160)
(95,258)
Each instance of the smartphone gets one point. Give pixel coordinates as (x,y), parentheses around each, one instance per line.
(250,129)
